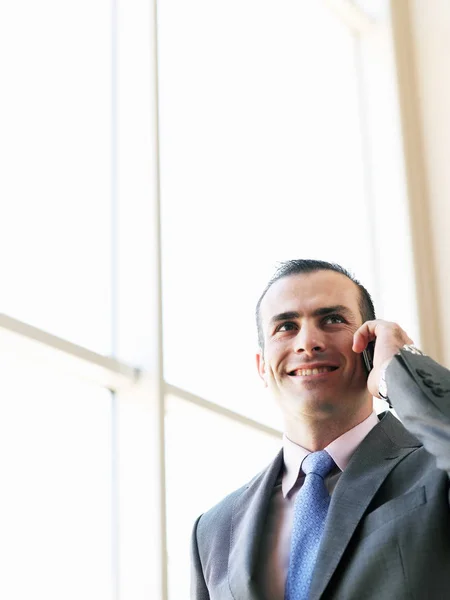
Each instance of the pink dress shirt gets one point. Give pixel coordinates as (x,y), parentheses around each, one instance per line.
(276,540)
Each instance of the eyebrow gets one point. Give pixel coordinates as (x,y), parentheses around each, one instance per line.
(326,310)
(319,312)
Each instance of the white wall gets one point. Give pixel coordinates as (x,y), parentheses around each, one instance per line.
(430,26)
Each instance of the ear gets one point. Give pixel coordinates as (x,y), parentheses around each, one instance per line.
(261,366)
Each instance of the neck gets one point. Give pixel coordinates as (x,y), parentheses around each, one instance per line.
(315,434)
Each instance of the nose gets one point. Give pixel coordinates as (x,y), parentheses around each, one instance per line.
(309,339)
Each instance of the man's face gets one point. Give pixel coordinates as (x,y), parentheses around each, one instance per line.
(308,322)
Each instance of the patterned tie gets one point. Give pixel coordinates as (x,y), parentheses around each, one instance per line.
(310,511)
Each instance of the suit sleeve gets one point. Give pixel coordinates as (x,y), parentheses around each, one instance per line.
(199,591)
(419,389)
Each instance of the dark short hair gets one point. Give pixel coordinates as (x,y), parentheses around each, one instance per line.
(306,265)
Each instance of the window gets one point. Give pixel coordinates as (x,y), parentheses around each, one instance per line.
(264,157)
(205,461)
(159,159)
(55,235)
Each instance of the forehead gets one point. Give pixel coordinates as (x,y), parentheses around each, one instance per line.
(306,292)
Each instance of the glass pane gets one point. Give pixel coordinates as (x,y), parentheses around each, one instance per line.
(207,457)
(261,161)
(55,505)
(396,300)
(55,123)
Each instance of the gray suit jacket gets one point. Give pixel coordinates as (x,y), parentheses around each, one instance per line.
(387,534)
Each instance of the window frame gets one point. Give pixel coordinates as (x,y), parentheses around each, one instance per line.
(134,371)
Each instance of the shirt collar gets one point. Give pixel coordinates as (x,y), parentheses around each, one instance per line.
(341,450)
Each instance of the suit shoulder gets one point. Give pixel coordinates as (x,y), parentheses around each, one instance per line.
(220,511)
(220,514)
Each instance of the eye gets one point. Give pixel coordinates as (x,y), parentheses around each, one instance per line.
(287,326)
(333,319)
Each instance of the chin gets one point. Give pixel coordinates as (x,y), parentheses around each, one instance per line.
(310,406)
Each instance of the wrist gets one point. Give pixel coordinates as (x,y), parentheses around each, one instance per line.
(382,387)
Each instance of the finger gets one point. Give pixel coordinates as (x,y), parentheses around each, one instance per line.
(370,330)
(364,335)
(400,335)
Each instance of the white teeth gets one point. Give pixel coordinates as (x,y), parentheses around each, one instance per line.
(305,372)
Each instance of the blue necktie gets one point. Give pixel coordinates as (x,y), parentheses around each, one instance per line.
(310,511)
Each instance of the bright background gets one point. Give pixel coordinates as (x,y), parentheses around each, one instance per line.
(158,160)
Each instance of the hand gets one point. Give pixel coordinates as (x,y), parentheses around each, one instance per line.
(389,337)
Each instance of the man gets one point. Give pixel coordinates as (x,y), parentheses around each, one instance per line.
(374,522)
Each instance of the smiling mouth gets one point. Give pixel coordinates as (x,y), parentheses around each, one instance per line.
(315,371)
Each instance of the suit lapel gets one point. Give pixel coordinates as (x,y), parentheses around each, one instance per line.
(249,513)
(383,448)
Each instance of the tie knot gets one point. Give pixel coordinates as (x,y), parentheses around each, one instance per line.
(319,463)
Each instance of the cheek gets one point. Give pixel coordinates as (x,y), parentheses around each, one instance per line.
(273,375)
(354,362)
(273,357)
(271,371)
(359,368)
(354,359)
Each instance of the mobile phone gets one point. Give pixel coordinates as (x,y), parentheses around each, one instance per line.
(368,356)
(368,362)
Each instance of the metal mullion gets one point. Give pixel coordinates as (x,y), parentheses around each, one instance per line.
(351,15)
(138,338)
(114,231)
(220,410)
(29,341)
(161,399)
